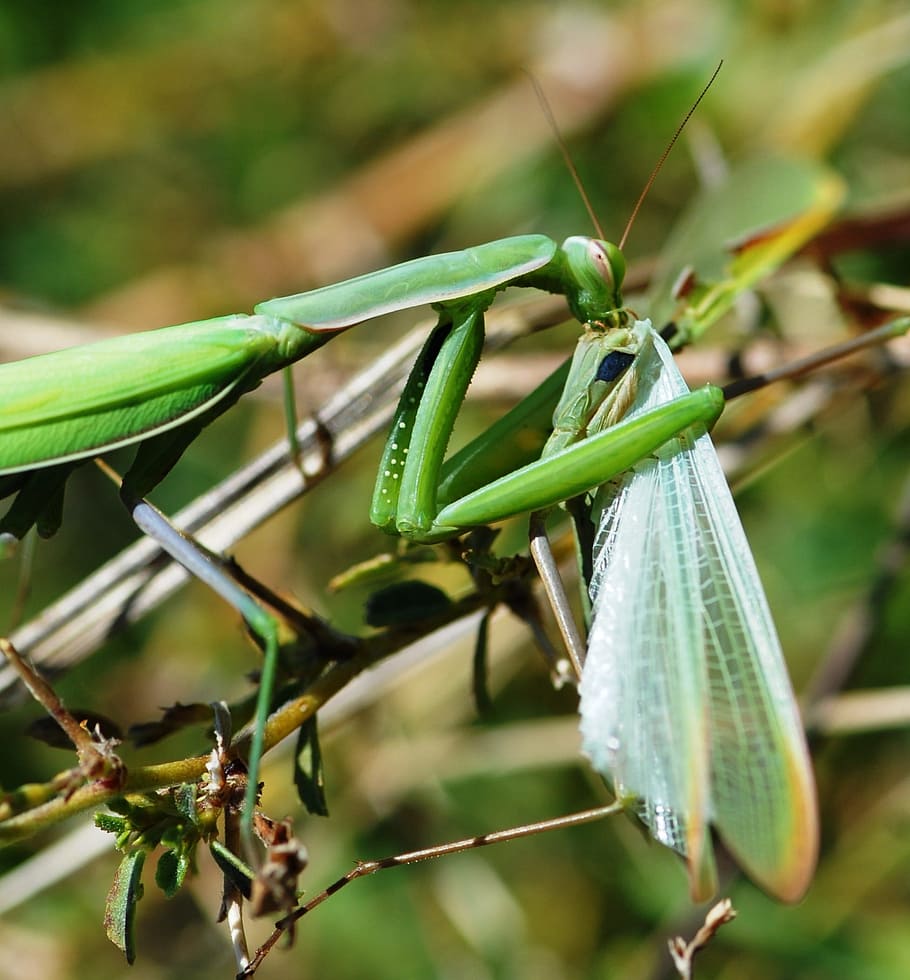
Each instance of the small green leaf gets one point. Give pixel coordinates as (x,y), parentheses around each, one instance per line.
(405,602)
(111,823)
(185,802)
(171,871)
(309,777)
(173,719)
(47,730)
(237,873)
(479,678)
(120,907)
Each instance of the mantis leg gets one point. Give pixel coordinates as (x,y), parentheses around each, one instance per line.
(556,592)
(404,500)
(406,497)
(581,466)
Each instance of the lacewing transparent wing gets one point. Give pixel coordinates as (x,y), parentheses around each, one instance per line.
(686,705)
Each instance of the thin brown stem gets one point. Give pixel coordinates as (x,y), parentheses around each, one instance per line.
(812,362)
(364,868)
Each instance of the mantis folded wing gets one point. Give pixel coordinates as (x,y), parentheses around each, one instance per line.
(685,701)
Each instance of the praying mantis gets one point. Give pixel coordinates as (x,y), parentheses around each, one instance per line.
(159,389)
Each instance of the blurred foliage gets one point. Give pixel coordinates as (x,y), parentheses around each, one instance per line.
(160,163)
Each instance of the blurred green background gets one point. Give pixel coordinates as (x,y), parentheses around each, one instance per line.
(165,162)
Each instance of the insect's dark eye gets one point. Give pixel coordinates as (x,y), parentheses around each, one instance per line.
(613,365)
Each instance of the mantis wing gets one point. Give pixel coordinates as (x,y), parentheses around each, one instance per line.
(685,700)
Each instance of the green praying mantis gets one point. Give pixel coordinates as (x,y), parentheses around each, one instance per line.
(159,389)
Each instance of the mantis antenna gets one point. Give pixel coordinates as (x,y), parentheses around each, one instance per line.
(573,170)
(564,150)
(650,181)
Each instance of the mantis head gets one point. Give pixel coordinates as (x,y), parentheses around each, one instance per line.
(596,270)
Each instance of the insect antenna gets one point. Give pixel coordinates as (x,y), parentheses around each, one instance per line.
(564,150)
(573,170)
(650,181)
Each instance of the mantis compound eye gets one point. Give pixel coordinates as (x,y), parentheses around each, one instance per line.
(609,261)
(597,269)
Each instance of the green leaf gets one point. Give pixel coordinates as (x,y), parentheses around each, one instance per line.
(770,206)
(240,876)
(120,907)
(171,871)
(111,823)
(405,602)
(47,730)
(119,804)
(185,802)
(173,719)
(479,671)
(309,777)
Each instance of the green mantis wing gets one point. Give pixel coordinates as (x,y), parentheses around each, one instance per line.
(685,702)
